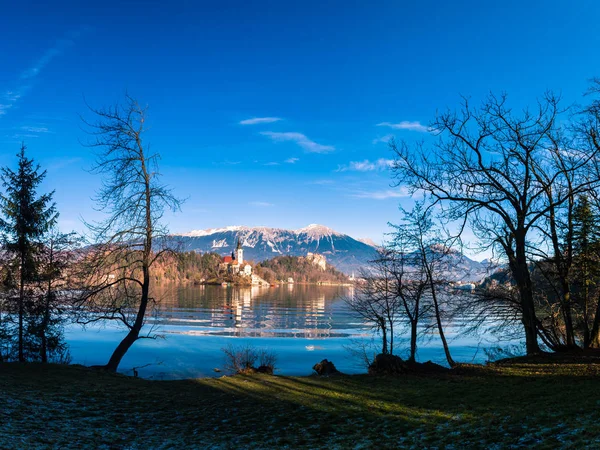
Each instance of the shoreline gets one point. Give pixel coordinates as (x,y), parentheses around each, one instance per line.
(236,284)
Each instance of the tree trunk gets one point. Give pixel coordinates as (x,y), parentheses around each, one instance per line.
(391,321)
(587,335)
(595,333)
(46,321)
(440,327)
(384,344)
(529,323)
(528,320)
(134,332)
(567,316)
(21,311)
(413,340)
(124,345)
(520,272)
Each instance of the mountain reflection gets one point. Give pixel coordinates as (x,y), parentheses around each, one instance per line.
(296,311)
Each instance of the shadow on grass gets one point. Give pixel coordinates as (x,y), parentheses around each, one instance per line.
(77,407)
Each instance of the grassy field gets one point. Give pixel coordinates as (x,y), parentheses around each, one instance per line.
(522,405)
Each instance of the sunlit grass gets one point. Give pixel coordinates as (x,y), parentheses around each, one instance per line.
(545,406)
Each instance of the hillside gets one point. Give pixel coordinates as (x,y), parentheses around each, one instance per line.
(301,269)
(186,267)
(345,253)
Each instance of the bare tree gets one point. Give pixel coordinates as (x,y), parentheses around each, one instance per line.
(429,258)
(409,287)
(497,169)
(374,298)
(128,242)
(390,294)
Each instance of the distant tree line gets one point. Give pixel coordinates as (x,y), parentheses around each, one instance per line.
(299,268)
(188,267)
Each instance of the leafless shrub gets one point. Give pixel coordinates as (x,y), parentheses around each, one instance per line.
(364,351)
(243,359)
(267,358)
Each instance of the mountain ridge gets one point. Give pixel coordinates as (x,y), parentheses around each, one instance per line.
(261,243)
(342,251)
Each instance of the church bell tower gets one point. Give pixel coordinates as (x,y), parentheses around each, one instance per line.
(239,253)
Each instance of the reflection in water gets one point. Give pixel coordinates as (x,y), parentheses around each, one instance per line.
(301,324)
(287,311)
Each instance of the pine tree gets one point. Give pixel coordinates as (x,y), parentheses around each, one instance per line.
(27,217)
(586,249)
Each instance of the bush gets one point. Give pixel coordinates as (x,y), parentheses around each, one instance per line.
(248,359)
(386,364)
(325,368)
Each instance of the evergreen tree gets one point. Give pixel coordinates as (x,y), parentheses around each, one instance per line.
(55,261)
(586,251)
(27,217)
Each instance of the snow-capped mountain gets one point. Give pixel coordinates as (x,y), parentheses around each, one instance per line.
(342,251)
(458,267)
(368,241)
(261,243)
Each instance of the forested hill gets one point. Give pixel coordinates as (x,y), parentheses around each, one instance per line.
(193,267)
(187,267)
(301,269)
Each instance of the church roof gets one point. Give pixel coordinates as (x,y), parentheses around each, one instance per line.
(227,259)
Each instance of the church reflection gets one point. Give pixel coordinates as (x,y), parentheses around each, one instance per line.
(284,311)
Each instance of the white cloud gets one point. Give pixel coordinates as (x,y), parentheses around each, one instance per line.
(4,107)
(60,164)
(384,139)
(367,166)
(59,47)
(10,97)
(36,129)
(382,195)
(292,160)
(48,56)
(406,125)
(24,135)
(322,182)
(261,204)
(300,139)
(259,120)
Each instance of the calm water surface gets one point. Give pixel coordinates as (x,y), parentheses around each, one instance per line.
(301,324)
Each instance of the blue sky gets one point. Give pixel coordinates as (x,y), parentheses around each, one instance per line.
(329,82)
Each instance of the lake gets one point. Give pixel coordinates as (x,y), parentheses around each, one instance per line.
(302,324)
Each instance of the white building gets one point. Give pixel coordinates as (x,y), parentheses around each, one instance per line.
(235,264)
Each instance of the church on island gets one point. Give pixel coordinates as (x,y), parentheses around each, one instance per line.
(235,264)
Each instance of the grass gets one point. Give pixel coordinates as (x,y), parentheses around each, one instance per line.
(519,405)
